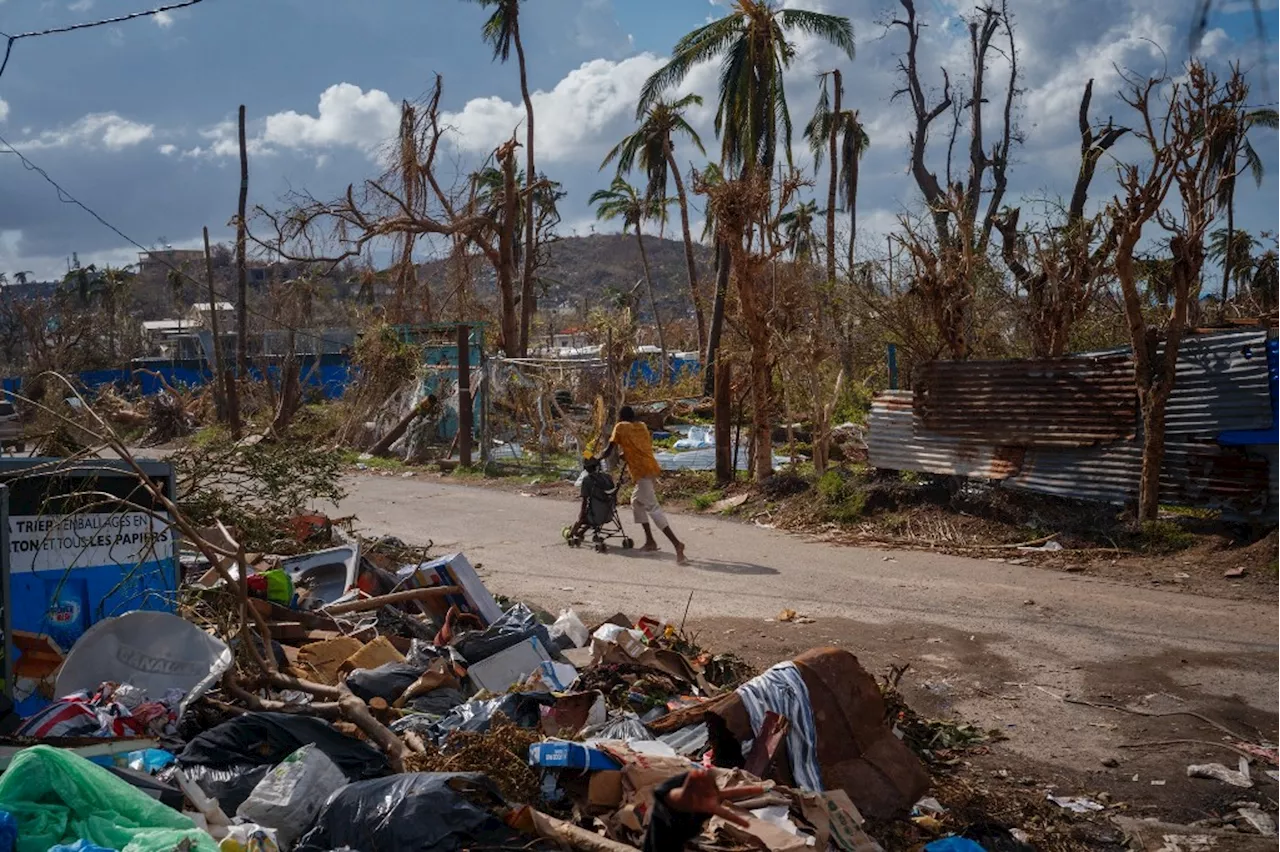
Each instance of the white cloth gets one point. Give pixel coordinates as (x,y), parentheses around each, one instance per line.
(644,504)
(782,690)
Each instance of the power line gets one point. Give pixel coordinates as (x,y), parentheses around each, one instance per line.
(11,39)
(67,198)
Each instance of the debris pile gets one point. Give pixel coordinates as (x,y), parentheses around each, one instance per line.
(354,693)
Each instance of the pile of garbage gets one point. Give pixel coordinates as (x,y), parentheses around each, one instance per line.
(358,696)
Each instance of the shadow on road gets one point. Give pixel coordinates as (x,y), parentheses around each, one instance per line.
(717,566)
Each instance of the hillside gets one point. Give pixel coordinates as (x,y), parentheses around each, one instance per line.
(593,269)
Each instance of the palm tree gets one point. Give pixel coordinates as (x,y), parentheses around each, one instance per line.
(797,227)
(502,32)
(1226,156)
(752,47)
(852,143)
(752,43)
(651,148)
(622,201)
(1234,250)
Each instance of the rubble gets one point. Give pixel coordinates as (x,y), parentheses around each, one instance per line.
(382,699)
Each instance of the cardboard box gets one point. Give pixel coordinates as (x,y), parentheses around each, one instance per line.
(558,754)
(323,659)
(377,653)
(604,790)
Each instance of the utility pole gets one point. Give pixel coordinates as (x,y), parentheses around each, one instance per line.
(242,306)
(465,410)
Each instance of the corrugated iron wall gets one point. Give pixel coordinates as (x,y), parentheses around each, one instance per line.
(896,442)
(1062,402)
(1070,427)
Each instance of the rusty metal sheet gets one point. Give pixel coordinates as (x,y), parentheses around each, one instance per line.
(1222,385)
(1202,475)
(1064,402)
(895,442)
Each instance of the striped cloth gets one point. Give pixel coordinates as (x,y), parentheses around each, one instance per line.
(82,715)
(782,690)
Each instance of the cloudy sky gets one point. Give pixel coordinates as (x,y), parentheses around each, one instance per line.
(137,119)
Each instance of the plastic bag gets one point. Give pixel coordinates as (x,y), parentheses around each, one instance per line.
(387,681)
(229,760)
(416,812)
(516,625)
(522,708)
(80,846)
(58,797)
(569,627)
(438,702)
(248,837)
(291,795)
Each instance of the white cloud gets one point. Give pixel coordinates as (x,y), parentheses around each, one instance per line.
(570,119)
(168,150)
(347,116)
(4,109)
(102,129)
(81,5)
(163,20)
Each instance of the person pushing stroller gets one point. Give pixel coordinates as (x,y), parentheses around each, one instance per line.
(632,439)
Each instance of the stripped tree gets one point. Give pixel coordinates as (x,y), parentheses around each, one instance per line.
(1180,136)
(1062,266)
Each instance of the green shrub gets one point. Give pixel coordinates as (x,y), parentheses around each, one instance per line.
(1165,537)
(707,499)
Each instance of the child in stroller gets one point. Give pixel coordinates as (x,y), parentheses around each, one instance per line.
(599,512)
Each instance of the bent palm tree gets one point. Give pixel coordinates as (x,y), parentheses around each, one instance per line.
(1234,250)
(502,32)
(622,201)
(652,148)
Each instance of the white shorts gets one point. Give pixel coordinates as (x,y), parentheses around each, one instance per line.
(644,503)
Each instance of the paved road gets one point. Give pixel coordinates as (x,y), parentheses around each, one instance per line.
(1005,638)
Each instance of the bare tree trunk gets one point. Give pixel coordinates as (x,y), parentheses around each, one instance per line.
(692,267)
(724,262)
(527,297)
(242,285)
(761,427)
(835,179)
(723,425)
(1154,405)
(510,320)
(1231,233)
(653,306)
(853,202)
(221,380)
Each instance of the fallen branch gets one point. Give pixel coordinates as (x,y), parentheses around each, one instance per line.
(1117,708)
(393,598)
(358,712)
(1032,543)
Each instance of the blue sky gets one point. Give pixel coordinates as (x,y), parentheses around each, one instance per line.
(134,119)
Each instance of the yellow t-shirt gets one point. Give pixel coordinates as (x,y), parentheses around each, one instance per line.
(637,449)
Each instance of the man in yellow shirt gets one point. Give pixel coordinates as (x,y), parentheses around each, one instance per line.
(632,438)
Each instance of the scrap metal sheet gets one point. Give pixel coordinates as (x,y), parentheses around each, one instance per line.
(1066,402)
(1193,474)
(895,443)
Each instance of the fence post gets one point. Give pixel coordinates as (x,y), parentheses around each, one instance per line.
(464,395)
(893,366)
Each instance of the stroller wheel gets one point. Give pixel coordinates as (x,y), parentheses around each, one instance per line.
(627,544)
(601,547)
(566,533)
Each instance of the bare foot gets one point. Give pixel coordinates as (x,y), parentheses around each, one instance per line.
(680,560)
(649,547)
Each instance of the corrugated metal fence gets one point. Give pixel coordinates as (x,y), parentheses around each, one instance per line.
(1070,426)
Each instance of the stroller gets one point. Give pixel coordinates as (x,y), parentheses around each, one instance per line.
(599,513)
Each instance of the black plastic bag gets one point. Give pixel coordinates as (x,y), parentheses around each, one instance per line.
(416,812)
(228,761)
(515,626)
(387,681)
(522,708)
(438,702)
